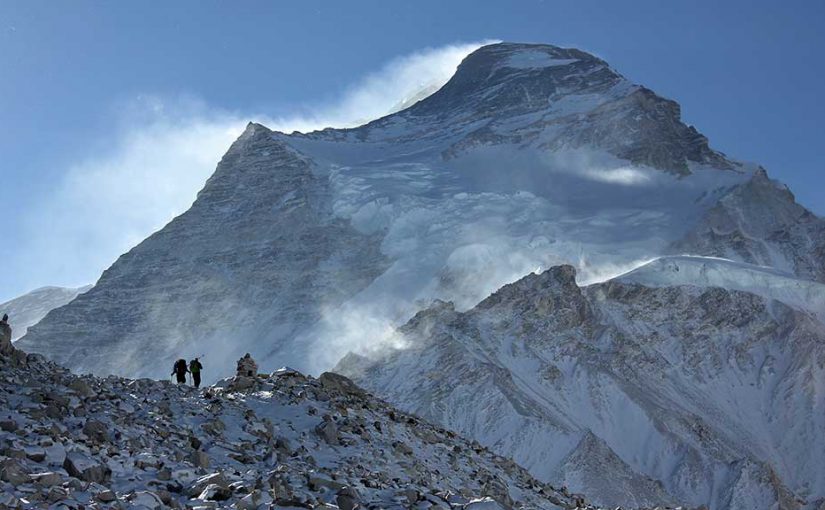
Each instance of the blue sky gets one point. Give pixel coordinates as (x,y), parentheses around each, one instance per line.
(98,98)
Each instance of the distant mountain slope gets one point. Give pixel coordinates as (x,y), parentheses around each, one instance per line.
(760,222)
(712,393)
(27,310)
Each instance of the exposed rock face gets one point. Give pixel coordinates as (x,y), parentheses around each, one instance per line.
(670,388)
(504,81)
(165,449)
(242,270)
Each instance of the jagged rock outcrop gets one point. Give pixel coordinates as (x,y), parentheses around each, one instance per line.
(683,392)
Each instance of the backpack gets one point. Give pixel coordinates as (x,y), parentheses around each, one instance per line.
(180,366)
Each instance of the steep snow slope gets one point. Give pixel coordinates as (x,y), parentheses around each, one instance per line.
(257,254)
(278,441)
(715,272)
(304,247)
(760,222)
(27,310)
(714,394)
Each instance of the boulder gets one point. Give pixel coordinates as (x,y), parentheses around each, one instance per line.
(47,479)
(14,472)
(96,431)
(199,458)
(145,499)
(348,499)
(80,387)
(86,468)
(203,482)
(215,492)
(328,431)
(338,383)
(106,496)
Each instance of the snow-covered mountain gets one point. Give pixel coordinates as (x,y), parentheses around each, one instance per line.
(681,390)
(694,379)
(277,441)
(303,247)
(27,310)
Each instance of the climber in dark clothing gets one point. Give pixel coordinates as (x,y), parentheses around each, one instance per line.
(195,369)
(179,370)
(5,336)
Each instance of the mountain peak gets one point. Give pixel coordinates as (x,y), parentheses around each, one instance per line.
(525,56)
(517,76)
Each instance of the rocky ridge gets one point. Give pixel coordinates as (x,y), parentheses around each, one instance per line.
(695,394)
(283,440)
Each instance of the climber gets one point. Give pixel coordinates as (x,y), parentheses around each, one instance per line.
(247,366)
(179,370)
(5,336)
(4,324)
(195,369)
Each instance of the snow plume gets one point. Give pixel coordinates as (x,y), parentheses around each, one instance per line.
(362,328)
(161,152)
(399,84)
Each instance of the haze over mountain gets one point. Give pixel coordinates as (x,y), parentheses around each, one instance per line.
(27,310)
(302,248)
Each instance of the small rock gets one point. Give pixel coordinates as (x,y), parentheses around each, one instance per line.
(96,430)
(348,498)
(80,387)
(316,483)
(105,496)
(215,492)
(201,483)
(145,499)
(328,431)
(200,459)
(47,479)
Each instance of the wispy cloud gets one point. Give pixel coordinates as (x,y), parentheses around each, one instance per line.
(162,152)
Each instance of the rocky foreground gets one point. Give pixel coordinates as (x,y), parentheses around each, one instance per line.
(283,440)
